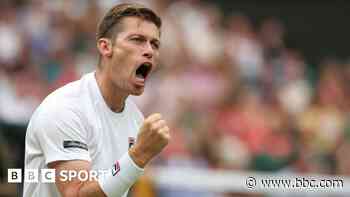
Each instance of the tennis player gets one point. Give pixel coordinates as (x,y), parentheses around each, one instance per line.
(91,124)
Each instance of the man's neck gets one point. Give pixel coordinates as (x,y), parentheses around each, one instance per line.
(113,97)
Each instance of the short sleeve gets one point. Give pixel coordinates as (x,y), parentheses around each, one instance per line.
(62,135)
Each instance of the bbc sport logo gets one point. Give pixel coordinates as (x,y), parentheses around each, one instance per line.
(15,175)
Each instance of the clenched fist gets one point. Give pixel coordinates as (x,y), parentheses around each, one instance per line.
(152,138)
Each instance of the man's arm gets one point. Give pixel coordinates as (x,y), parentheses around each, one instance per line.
(152,138)
(75,187)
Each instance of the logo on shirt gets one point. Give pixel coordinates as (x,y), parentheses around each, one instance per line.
(74,144)
(131,141)
(116,168)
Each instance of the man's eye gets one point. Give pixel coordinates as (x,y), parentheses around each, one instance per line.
(137,39)
(155,45)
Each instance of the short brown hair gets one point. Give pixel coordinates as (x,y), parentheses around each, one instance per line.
(108,26)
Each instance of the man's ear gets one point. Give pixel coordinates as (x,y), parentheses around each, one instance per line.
(105,47)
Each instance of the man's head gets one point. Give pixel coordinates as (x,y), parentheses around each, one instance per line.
(128,40)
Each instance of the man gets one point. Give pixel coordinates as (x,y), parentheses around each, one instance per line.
(91,125)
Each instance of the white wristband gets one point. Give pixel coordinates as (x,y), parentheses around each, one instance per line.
(124,173)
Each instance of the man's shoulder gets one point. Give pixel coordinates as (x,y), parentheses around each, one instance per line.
(66,93)
(68,98)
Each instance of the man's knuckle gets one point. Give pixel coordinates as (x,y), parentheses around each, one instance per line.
(166,128)
(160,132)
(146,122)
(168,136)
(153,127)
(163,134)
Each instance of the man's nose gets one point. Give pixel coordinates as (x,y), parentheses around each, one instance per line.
(148,52)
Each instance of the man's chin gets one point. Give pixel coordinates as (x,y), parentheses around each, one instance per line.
(137,91)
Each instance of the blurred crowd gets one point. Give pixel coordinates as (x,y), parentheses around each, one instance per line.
(234,95)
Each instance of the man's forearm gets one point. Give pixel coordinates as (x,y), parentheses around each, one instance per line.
(114,182)
(91,189)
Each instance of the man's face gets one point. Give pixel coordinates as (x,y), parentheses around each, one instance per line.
(135,55)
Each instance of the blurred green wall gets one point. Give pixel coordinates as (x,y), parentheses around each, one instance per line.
(316,28)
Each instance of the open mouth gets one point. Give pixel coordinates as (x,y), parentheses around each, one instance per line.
(143,70)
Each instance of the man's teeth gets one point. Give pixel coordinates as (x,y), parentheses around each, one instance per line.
(140,76)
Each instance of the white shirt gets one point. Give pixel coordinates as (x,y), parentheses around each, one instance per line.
(75,123)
